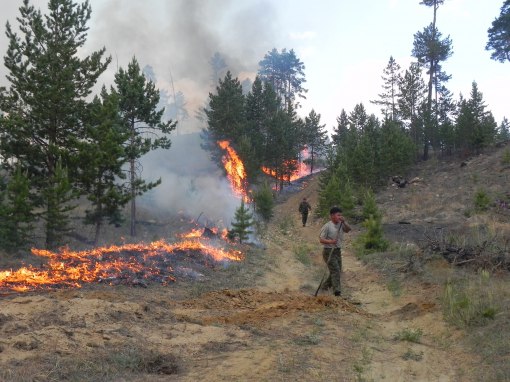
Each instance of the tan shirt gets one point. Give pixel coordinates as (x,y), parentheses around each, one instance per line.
(329,232)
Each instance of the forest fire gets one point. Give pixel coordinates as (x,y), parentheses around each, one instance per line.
(236,173)
(131,264)
(300,171)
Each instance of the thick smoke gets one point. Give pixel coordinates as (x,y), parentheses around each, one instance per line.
(177,40)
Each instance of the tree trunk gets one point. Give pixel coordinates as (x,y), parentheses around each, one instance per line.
(311,162)
(133,198)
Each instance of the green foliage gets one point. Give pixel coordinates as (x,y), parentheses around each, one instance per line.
(44,106)
(242,223)
(314,138)
(138,101)
(16,215)
(264,201)
(285,72)
(409,335)
(476,127)
(388,99)
(370,206)
(482,201)
(499,35)
(372,240)
(470,303)
(104,155)
(57,193)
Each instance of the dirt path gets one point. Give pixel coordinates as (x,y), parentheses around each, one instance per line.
(415,313)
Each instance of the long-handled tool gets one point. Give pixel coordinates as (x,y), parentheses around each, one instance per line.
(329,259)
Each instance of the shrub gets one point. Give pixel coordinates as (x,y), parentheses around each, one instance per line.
(409,335)
(372,239)
(482,200)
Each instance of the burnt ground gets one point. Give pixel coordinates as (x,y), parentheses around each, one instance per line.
(258,320)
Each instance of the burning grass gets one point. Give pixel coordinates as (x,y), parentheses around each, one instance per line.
(131,264)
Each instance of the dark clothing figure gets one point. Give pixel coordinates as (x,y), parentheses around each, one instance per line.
(304,207)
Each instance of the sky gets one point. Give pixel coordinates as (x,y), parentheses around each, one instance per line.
(344,44)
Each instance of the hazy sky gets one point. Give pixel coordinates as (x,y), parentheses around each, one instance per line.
(344,44)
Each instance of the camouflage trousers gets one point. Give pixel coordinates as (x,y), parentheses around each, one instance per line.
(335,268)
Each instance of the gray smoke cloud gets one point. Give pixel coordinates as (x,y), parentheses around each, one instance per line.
(177,39)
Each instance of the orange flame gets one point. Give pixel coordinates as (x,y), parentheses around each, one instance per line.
(301,170)
(195,233)
(234,167)
(73,268)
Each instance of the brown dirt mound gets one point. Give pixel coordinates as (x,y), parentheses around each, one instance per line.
(251,306)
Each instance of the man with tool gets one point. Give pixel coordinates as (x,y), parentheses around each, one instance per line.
(331,238)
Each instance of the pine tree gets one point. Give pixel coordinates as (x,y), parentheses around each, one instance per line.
(431,49)
(341,129)
(476,127)
(138,100)
(103,157)
(504,130)
(499,35)
(370,206)
(315,137)
(58,194)
(412,92)
(285,72)
(373,238)
(16,215)
(389,98)
(242,223)
(45,104)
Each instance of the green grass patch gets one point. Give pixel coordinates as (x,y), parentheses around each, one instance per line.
(470,302)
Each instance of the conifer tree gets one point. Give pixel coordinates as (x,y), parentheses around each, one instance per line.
(242,223)
(389,98)
(58,193)
(370,206)
(476,127)
(430,49)
(340,132)
(499,35)
(504,130)
(16,216)
(45,103)
(315,137)
(104,156)
(138,100)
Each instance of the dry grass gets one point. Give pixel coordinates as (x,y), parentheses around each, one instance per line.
(130,363)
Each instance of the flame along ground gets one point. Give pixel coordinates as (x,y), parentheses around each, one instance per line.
(152,261)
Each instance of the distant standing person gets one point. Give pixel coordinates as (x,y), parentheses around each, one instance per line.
(304,207)
(331,238)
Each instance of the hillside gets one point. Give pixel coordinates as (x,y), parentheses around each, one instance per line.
(258,320)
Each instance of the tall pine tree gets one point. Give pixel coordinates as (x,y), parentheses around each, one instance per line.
(138,100)
(46,100)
